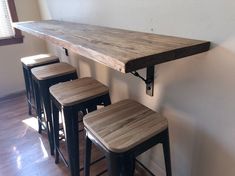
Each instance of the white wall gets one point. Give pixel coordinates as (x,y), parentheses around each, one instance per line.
(11,75)
(195,94)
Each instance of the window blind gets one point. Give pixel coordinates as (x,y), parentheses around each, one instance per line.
(6,29)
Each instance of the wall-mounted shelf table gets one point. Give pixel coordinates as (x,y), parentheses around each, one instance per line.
(123,50)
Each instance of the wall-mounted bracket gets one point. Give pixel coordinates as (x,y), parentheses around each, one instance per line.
(149,81)
(66,51)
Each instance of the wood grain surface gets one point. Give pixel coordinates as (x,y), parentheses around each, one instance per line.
(32,61)
(52,70)
(122,50)
(24,152)
(124,125)
(77,91)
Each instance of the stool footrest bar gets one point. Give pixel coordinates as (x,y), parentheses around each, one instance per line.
(145,168)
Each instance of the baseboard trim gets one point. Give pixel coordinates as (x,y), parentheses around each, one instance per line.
(13,95)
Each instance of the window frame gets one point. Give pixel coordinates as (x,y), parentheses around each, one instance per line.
(18,38)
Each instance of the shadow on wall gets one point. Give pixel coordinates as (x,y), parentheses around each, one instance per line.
(201,91)
(116,81)
(213,156)
(85,67)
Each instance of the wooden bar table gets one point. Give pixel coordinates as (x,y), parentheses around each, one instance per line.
(123,50)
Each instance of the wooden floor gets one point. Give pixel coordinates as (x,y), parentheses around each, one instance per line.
(24,152)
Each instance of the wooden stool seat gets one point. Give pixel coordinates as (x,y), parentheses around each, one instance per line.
(29,63)
(78,91)
(124,125)
(123,131)
(43,78)
(40,59)
(52,71)
(83,94)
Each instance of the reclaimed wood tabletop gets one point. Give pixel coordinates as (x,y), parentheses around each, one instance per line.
(120,49)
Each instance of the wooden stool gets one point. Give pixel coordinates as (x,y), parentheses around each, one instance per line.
(123,131)
(43,78)
(28,63)
(69,98)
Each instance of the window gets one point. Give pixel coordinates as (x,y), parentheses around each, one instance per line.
(8,35)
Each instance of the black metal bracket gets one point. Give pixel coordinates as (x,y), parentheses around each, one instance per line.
(66,51)
(149,81)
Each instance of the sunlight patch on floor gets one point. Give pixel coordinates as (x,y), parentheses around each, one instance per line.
(18,160)
(31,122)
(45,154)
(18,157)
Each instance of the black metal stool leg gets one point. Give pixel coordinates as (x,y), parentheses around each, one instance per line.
(72,138)
(107,100)
(87,159)
(38,106)
(44,90)
(133,167)
(27,87)
(55,121)
(166,150)
(32,95)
